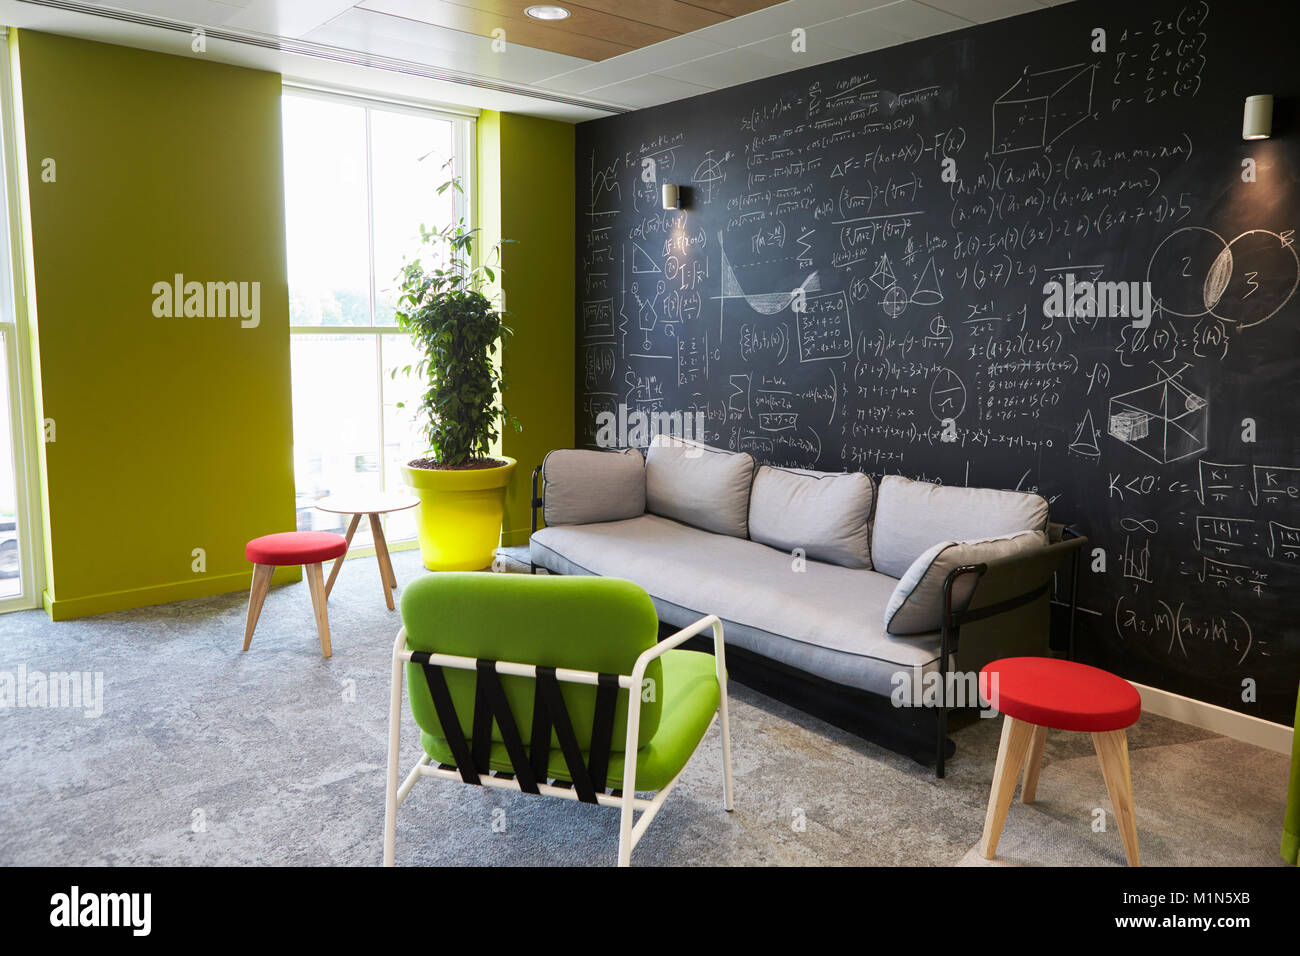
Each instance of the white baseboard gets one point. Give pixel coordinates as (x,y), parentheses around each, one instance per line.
(1230,723)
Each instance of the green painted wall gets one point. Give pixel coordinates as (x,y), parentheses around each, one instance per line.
(171,434)
(526,195)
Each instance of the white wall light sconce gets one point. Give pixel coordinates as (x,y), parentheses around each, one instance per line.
(672,196)
(1257,122)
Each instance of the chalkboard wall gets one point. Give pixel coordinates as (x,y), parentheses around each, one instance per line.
(856,282)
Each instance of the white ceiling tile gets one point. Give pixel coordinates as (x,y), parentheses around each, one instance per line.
(983,11)
(649,90)
(863,34)
(819,47)
(197,12)
(377,33)
(287,18)
(658,58)
(582,79)
(913,20)
(729,68)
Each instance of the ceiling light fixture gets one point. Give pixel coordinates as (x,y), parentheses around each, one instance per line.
(546,11)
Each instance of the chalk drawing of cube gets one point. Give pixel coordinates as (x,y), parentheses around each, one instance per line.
(1164,420)
(1040,108)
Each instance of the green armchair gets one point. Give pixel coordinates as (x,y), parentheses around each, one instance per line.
(522,683)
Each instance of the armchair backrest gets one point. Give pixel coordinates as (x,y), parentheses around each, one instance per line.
(593,624)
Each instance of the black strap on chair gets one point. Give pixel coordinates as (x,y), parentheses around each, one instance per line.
(473,756)
(489,687)
(539,748)
(602,729)
(549,689)
(482,727)
(446,711)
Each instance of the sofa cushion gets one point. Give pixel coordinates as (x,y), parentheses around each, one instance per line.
(828,515)
(916,606)
(825,620)
(580,486)
(913,516)
(698,485)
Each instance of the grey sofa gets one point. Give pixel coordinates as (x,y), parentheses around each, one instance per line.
(831,575)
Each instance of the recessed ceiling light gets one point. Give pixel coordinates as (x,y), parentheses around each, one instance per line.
(546,11)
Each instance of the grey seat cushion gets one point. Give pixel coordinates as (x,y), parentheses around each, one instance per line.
(826,620)
(914,516)
(826,514)
(916,605)
(699,485)
(580,485)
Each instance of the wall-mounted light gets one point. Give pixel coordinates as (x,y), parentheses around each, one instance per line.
(545,11)
(672,196)
(1257,123)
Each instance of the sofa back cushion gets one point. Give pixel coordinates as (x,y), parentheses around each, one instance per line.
(916,606)
(914,516)
(698,485)
(581,486)
(828,515)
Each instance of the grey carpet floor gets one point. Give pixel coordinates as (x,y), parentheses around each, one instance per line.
(206,755)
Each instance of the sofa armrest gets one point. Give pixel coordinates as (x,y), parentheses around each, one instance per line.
(536,501)
(1007,585)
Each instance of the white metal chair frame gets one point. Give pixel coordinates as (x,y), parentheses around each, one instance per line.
(629,834)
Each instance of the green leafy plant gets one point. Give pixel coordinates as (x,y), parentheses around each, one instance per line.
(458,328)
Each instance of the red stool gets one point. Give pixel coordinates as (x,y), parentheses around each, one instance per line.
(308,548)
(1035,693)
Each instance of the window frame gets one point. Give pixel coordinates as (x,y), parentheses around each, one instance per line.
(27,434)
(465,136)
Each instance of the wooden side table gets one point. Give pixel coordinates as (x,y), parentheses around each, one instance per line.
(372,505)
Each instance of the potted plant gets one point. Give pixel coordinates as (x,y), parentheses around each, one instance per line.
(458,328)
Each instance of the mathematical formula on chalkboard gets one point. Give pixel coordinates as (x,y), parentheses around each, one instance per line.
(1027,255)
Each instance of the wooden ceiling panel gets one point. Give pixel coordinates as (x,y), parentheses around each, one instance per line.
(524,30)
(595,29)
(583,21)
(675,15)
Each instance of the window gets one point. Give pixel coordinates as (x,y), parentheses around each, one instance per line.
(360,179)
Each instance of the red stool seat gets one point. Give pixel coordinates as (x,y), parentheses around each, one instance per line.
(1062,695)
(296,547)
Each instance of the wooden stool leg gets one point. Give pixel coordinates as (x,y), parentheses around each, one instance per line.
(1112,751)
(386,575)
(256,596)
(316,584)
(338,562)
(1033,764)
(1016,736)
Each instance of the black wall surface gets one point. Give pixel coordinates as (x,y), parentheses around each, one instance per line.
(922,347)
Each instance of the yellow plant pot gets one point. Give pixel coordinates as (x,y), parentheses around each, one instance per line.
(459,518)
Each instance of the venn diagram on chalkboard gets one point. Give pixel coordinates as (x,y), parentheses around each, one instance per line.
(1243,282)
